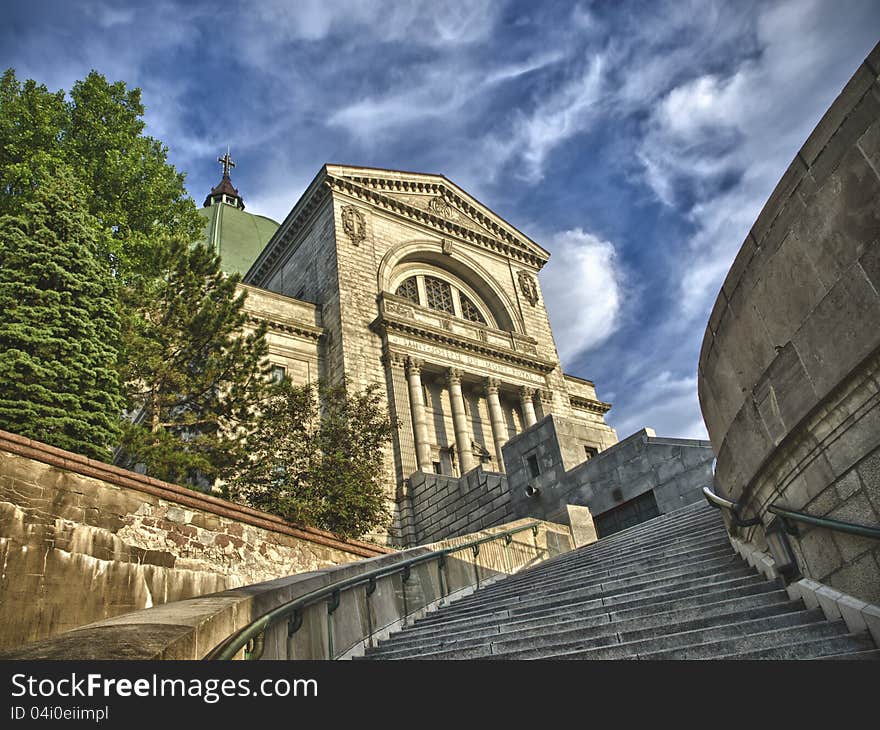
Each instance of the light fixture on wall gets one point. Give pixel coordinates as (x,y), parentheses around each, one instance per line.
(777,533)
(532,490)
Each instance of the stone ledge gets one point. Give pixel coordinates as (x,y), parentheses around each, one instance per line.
(858,615)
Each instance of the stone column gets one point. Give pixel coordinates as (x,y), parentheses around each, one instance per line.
(546,399)
(496,417)
(459,422)
(419,418)
(528,408)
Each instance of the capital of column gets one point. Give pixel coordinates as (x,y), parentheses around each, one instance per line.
(393,359)
(414,365)
(491,386)
(526,393)
(453,376)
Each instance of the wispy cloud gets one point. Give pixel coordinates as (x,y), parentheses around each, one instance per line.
(430,92)
(556,117)
(583,288)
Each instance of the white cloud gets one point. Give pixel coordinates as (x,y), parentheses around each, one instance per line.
(665,403)
(583,288)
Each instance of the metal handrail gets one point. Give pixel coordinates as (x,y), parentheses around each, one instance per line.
(851,527)
(732,507)
(292,610)
(785,513)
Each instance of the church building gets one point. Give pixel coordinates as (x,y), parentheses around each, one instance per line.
(404,280)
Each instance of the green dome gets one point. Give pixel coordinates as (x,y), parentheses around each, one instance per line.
(237,236)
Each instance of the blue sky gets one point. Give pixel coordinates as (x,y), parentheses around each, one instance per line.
(637,141)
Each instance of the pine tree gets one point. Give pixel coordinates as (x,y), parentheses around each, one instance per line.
(315,457)
(59,326)
(192,373)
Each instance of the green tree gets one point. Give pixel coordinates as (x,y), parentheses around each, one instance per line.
(192,371)
(315,456)
(127,182)
(59,328)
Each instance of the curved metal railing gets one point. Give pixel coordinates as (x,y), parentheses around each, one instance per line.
(790,514)
(251,638)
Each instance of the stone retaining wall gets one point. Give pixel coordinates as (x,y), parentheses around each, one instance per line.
(189,629)
(446,506)
(81,540)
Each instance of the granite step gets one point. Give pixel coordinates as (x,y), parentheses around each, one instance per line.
(623,630)
(669,588)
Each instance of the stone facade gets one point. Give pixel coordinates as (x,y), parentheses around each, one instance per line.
(789,374)
(415,286)
(547,473)
(82,541)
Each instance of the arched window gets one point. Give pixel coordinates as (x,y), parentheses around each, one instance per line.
(469,310)
(443,295)
(439,294)
(409,289)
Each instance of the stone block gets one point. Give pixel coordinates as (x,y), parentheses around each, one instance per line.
(779,200)
(851,445)
(724,384)
(869,472)
(748,441)
(767,566)
(858,118)
(740,263)
(828,599)
(834,339)
(816,477)
(820,554)
(871,616)
(851,612)
(746,341)
(869,262)
(869,144)
(808,592)
(860,579)
(840,219)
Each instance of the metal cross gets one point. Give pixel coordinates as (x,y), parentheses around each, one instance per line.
(227,162)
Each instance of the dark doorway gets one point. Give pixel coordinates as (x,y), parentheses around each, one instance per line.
(632,512)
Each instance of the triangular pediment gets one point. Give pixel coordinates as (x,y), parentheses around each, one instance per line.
(436,201)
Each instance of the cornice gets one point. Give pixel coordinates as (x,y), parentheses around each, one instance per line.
(362,188)
(290,326)
(588,404)
(385,323)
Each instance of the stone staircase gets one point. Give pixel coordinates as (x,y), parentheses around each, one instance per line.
(670,588)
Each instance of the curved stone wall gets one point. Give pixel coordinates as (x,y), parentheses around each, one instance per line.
(789,373)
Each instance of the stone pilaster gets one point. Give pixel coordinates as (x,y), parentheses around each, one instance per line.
(459,421)
(545,398)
